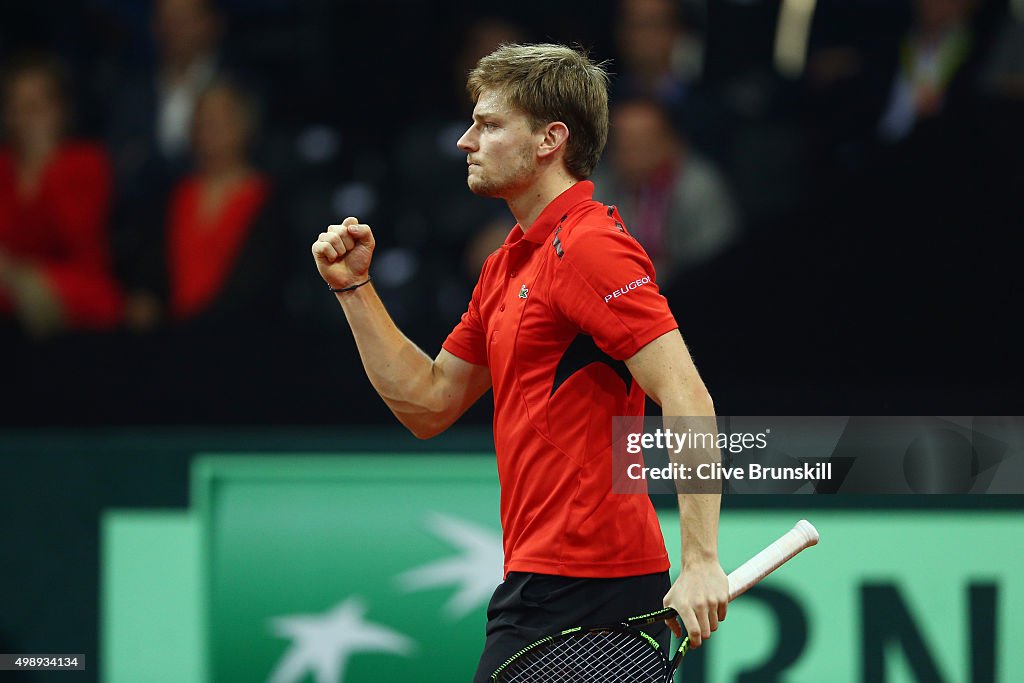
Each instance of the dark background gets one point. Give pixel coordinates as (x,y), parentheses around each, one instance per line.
(870,280)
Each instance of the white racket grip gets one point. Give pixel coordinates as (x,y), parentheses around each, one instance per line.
(802,535)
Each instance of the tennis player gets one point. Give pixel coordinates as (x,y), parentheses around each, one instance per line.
(567,326)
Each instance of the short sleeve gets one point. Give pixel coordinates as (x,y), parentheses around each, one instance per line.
(468,339)
(607,288)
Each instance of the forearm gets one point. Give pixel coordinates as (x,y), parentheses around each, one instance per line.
(699,505)
(700,594)
(698,520)
(400,371)
(425,395)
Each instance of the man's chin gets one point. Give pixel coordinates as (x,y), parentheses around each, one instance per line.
(481,189)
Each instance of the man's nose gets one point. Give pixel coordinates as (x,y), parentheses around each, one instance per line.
(467,143)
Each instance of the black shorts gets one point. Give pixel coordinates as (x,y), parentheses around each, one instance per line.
(527,607)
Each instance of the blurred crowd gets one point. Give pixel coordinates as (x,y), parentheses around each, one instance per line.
(824,195)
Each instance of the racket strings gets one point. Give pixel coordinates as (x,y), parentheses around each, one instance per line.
(590,657)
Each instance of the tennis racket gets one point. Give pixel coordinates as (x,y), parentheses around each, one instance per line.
(622,653)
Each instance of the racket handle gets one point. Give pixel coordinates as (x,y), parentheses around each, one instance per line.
(802,535)
(782,550)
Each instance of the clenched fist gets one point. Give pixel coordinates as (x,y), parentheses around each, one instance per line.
(343,253)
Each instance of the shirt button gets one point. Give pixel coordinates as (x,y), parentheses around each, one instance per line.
(513,273)
(501,307)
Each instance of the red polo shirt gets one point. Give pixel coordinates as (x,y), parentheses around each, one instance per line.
(555,312)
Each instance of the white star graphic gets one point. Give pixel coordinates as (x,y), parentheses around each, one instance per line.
(475,571)
(323,643)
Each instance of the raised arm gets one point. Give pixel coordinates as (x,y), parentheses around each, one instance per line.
(700,594)
(426,395)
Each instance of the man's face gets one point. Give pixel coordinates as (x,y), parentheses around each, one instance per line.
(641,141)
(941,14)
(184,29)
(647,32)
(500,147)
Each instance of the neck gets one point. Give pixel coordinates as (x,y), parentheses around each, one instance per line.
(34,153)
(528,205)
(224,169)
(935,33)
(176,68)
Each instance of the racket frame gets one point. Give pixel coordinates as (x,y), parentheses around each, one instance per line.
(803,535)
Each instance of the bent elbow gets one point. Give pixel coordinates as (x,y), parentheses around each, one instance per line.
(425,427)
(710,402)
(423,433)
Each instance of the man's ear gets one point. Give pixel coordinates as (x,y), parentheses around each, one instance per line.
(556,134)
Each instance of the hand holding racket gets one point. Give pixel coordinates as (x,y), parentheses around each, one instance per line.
(700,598)
(621,653)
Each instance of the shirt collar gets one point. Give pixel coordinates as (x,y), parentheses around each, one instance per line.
(554,212)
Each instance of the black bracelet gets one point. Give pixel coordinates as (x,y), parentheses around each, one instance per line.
(350,287)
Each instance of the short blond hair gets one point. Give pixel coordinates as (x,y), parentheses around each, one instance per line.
(548,83)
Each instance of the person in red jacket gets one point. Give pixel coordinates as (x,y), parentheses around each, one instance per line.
(55,271)
(220,246)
